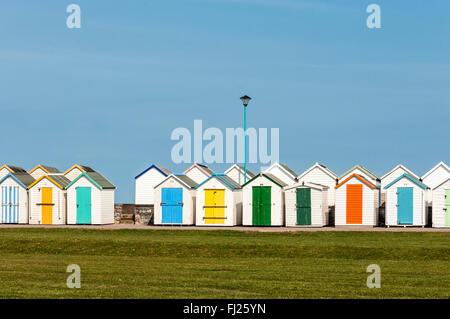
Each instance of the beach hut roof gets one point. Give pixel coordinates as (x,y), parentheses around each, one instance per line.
(361,178)
(96,178)
(250,174)
(363,169)
(445,181)
(205,169)
(161,169)
(284,168)
(59,180)
(23,178)
(47,169)
(181,178)
(412,179)
(224,179)
(402,167)
(270,177)
(82,168)
(13,169)
(307,184)
(440,164)
(323,168)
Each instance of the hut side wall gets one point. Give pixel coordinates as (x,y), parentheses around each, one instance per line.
(438,215)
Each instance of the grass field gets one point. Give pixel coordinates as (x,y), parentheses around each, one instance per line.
(222,264)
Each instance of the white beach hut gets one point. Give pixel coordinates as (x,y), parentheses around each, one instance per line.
(42,170)
(14,197)
(434,177)
(320,174)
(218,202)
(76,170)
(361,171)
(356,202)
(90,200)
(392,175)
(306,205)
(7,169)
(282,172)
(47,196)
(146,182)
(263,201)
(237,173)
(175,201)
(405,202)
(395,173)
(441,204)
(198,172)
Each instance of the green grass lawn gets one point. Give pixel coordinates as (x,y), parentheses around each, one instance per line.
(222,264)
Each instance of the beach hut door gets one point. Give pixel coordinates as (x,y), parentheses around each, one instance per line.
(354,204)
(172,205)
(303,206)
(404,205)
(47,205)
(214,206)
(10,205)
(261,206)
(447,207)
(84,205)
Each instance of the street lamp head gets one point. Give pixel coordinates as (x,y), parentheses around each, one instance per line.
(245,99)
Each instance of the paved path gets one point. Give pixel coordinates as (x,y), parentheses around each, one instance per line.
(237,228)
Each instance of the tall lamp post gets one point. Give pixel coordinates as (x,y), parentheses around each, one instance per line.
(245,99)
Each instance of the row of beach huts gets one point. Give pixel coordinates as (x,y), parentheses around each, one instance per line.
(280,197)
(47,196)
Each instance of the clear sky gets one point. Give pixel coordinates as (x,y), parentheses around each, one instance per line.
(108,95)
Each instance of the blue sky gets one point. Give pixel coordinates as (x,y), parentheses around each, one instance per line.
(109,94)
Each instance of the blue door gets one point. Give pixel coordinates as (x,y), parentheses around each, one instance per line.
(405,205)
(10,205)
(172,205)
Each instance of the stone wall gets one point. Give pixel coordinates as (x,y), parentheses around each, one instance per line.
(133,214)
(143,214)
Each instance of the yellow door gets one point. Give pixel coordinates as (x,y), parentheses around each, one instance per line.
(209,206)
(219,211)
(214,206)
(47,206)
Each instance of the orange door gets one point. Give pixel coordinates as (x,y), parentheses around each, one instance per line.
(47,206)
(354,203)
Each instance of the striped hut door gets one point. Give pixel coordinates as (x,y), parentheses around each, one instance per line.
(10,204)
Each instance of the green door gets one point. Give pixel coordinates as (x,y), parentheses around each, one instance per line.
(262,203)
(447,207)
(84,205)
(303,206)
